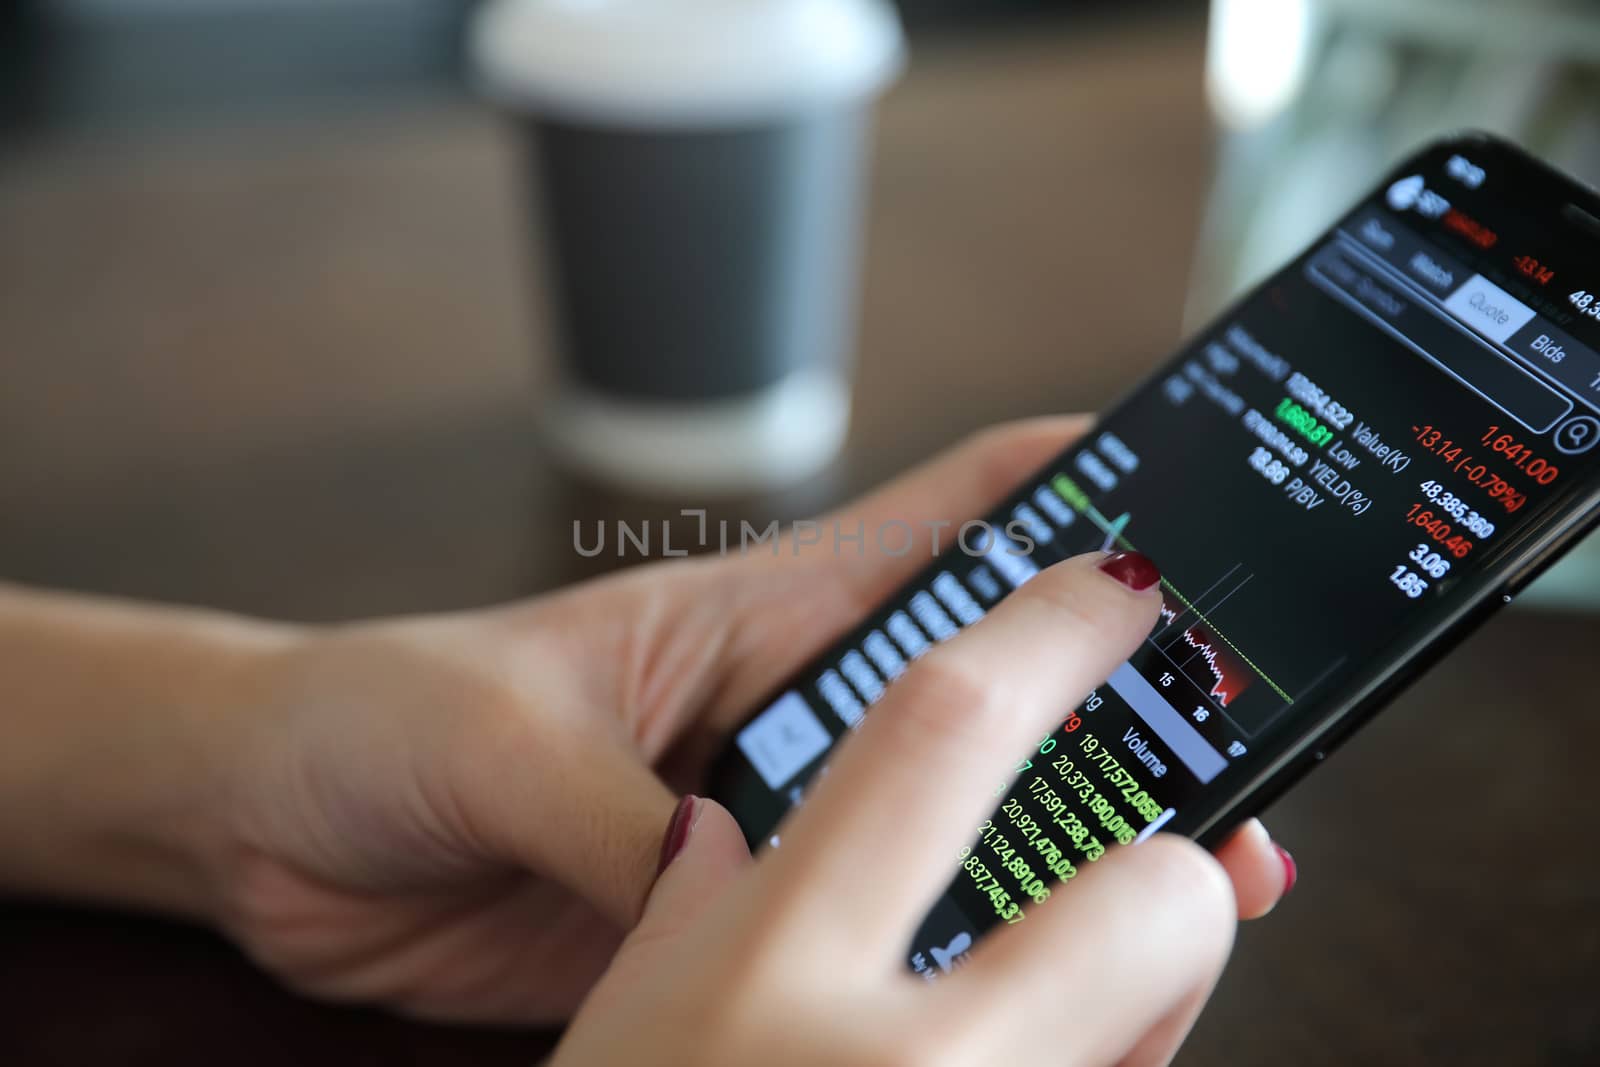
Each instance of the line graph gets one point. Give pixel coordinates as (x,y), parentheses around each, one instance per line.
(1198,650)
(1170,614)
(1222,667)
(1210,666)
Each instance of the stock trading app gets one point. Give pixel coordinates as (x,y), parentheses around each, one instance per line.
(1309,475)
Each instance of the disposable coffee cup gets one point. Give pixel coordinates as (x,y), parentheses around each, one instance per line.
(697,169)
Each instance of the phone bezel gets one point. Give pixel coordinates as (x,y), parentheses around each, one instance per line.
(1565,519)
(1247,788)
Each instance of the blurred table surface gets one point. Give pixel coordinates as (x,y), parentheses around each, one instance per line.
(292,369)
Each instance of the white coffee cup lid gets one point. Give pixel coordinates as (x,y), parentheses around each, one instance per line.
(676,62)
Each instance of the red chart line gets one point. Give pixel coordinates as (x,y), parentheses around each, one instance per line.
(1222,689)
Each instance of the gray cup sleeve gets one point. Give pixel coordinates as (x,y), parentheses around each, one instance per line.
(700,264)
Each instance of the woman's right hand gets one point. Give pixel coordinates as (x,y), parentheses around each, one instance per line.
(799,958)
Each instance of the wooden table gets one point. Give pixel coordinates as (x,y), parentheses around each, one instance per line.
(291,370)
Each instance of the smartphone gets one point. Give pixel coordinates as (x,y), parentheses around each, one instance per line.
(1340,478)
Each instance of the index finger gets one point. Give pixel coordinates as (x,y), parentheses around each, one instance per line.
(908,790)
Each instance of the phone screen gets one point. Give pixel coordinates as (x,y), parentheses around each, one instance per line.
(1327,476)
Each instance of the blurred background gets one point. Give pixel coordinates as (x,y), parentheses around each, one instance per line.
(275,337)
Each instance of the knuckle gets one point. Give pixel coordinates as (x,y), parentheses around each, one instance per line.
(1080,601)
(1072,605)
(1177,869)
(942,695)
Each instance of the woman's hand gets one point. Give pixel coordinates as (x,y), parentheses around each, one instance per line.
(461,815)
(458,816)
(798,958)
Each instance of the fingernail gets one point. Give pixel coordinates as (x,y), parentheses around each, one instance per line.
(1290,871)
(677,832)
(1131,569)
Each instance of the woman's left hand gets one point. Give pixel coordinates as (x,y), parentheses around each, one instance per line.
(460,816)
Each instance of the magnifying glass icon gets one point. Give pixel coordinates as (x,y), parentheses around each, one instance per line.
(1577,434)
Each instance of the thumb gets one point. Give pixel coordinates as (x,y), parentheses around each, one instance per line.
(599,815)
(704,851)
(701,859)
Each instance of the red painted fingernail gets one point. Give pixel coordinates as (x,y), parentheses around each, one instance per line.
(1290,871)
(1131,569)
(677,832)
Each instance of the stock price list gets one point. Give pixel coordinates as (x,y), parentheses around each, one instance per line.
(1485,476)
(1062,808)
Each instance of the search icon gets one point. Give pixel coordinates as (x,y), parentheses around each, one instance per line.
(1577,434)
